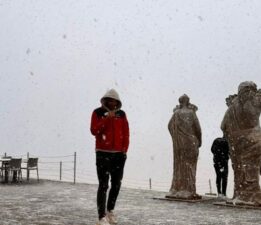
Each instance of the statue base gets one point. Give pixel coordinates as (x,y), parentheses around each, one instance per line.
(185,195)
(244,206)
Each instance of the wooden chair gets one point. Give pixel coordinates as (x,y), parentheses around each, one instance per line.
(32,164)
(14,169)
(4,168)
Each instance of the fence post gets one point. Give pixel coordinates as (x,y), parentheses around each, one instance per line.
(74,168)
(150,183)
(61,164)
(210,188)
(27,171)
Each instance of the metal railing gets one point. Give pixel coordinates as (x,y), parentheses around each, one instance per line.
(61,167)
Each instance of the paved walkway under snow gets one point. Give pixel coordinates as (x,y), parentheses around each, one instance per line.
(53,203)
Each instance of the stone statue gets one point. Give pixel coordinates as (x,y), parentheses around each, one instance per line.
(185,131)
(242,129)
(230,99)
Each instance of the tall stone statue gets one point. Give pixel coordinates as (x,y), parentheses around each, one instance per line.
(185,131)
(242,128)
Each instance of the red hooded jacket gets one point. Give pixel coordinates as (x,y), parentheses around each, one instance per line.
(111,133)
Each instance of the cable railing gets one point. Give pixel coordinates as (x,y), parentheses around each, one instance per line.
(63,168)
(87,176)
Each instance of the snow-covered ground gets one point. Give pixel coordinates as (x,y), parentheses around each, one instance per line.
(53,203)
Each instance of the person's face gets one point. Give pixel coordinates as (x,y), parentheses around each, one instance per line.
(111,103)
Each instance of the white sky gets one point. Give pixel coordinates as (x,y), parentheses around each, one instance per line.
(59,57)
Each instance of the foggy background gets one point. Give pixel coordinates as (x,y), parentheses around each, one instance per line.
(58,58)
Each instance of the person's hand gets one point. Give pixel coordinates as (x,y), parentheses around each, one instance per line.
(111,114)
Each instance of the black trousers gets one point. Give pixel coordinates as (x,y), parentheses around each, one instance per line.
(221,179)
(109,165)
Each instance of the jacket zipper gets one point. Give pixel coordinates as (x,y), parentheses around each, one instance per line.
(113,133)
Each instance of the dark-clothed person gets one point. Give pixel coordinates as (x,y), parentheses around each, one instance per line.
(220,150)
(110,127)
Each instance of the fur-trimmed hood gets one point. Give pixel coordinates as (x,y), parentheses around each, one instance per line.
(111,94)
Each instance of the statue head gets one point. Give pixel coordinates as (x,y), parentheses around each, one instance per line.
(246,90)
(246,85)
(184,100)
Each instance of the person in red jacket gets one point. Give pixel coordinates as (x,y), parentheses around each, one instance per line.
(110,127)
